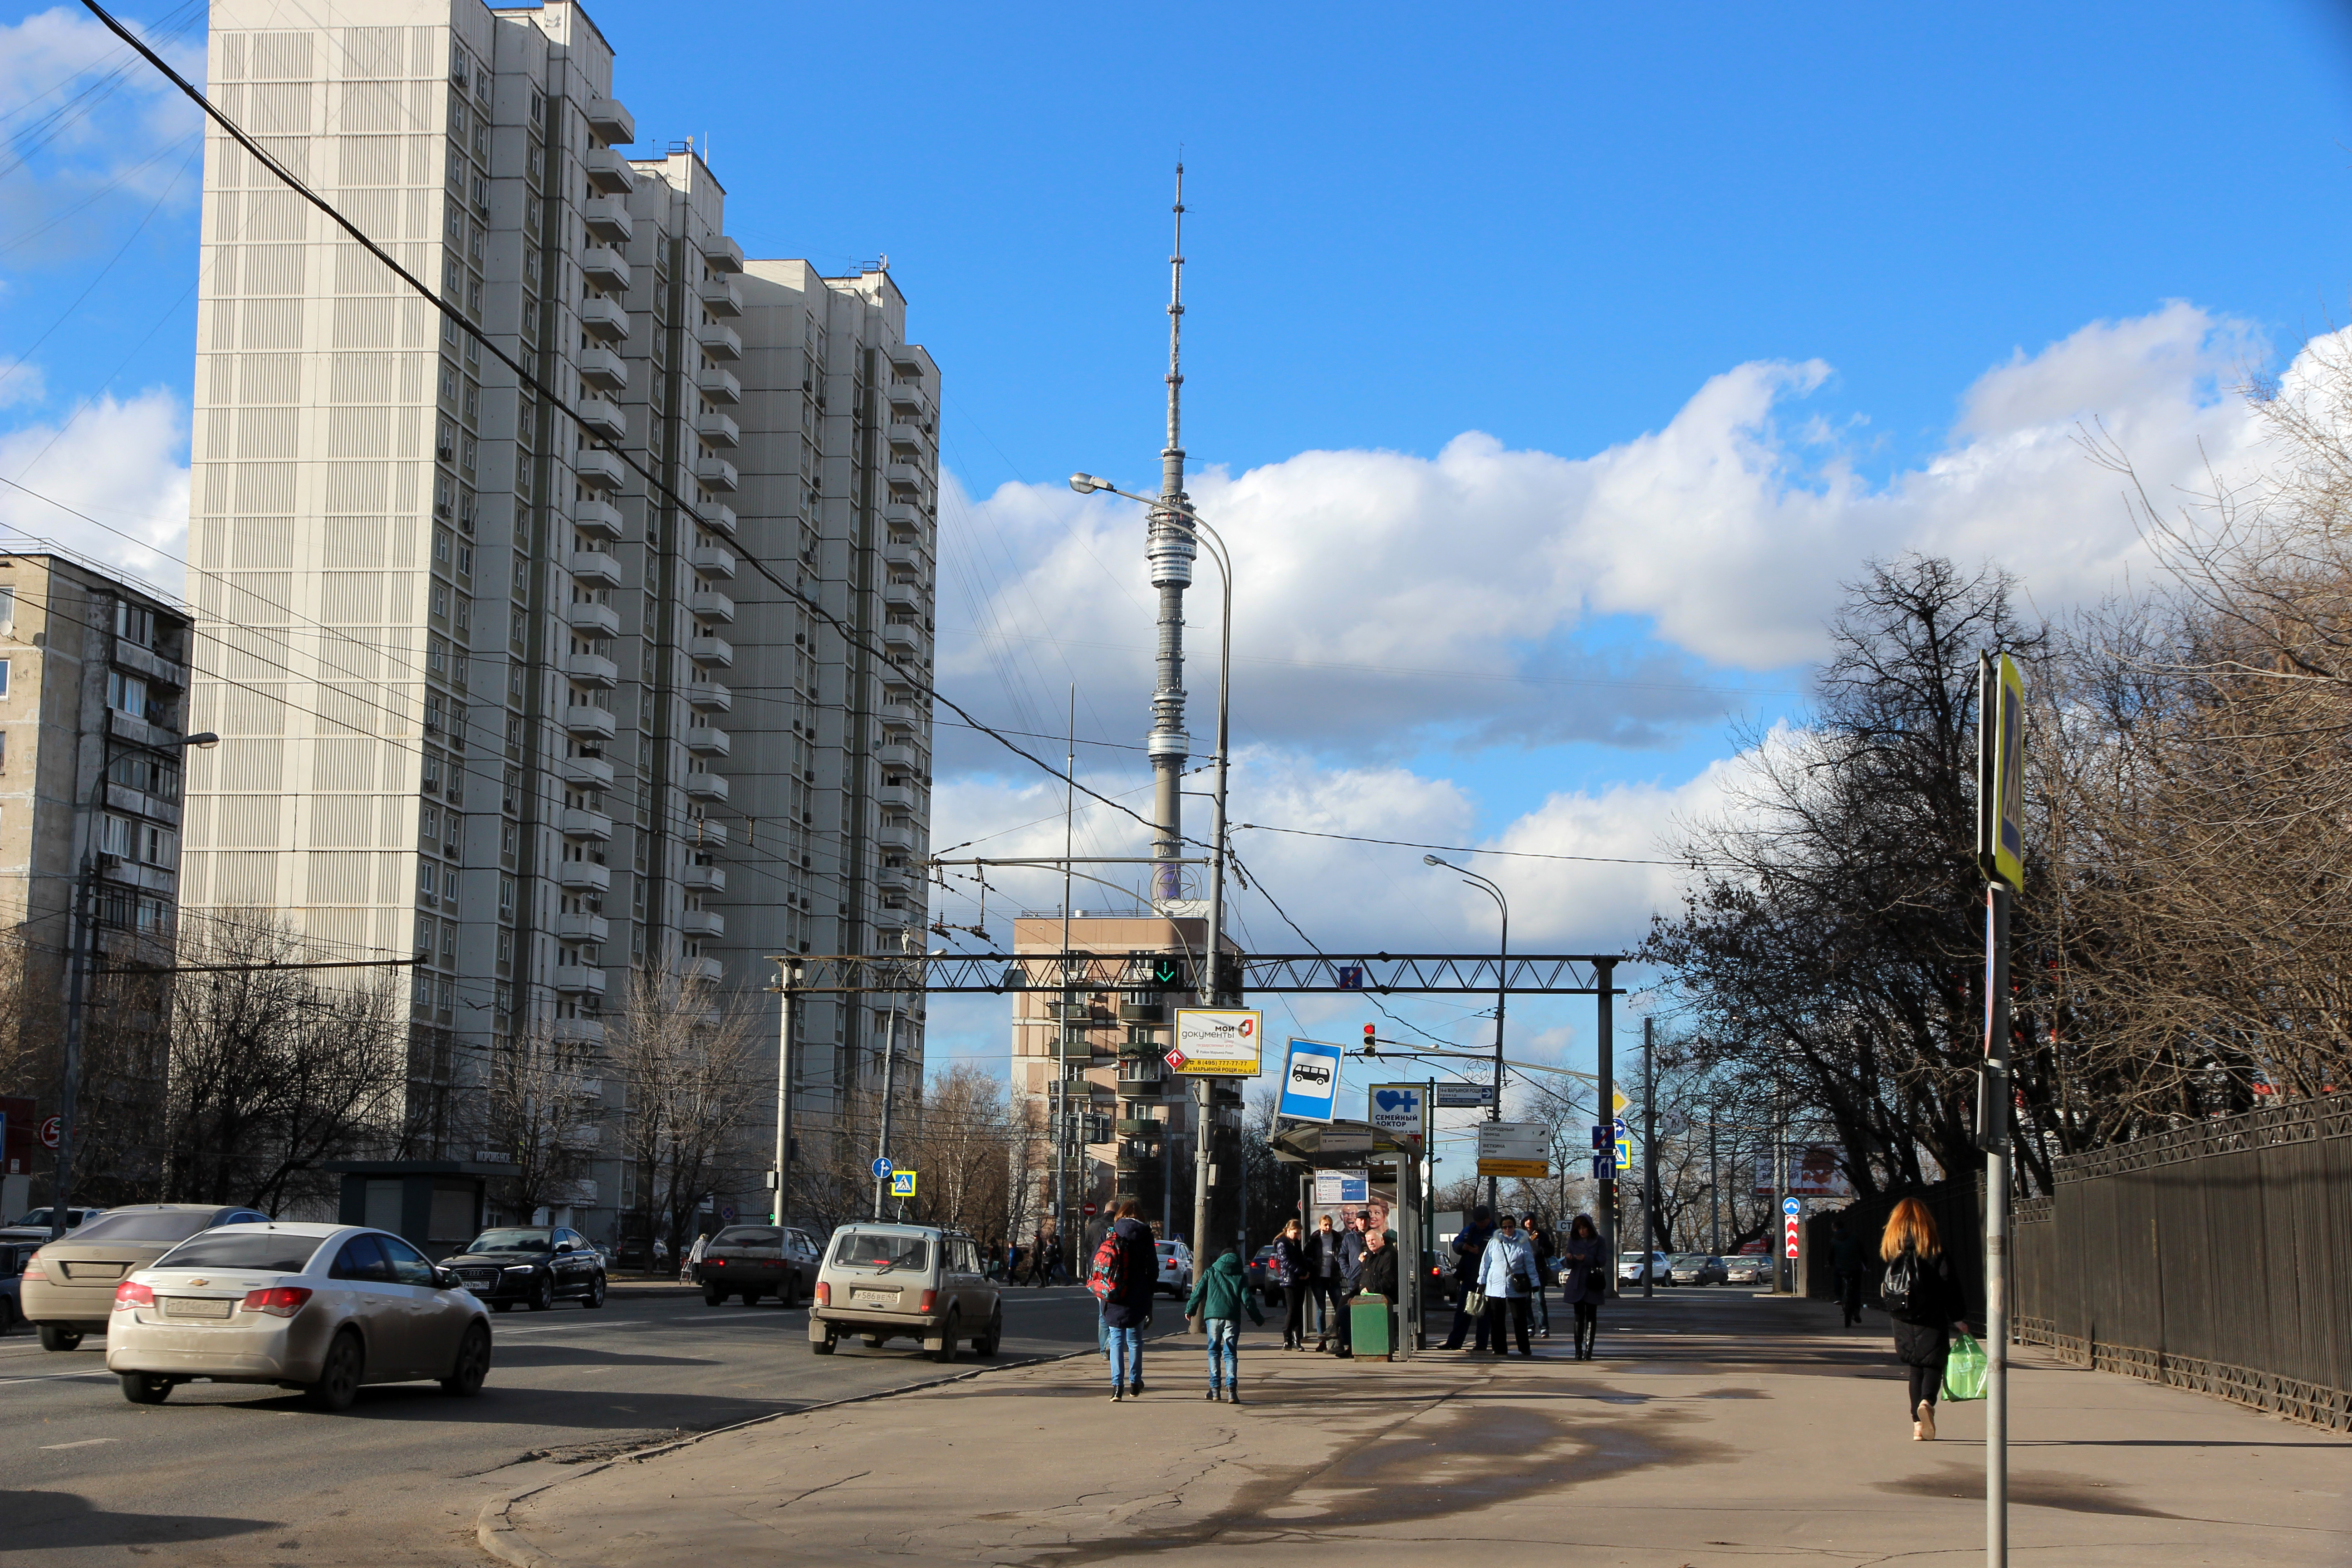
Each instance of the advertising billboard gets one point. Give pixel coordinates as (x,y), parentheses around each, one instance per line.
(1217,1042)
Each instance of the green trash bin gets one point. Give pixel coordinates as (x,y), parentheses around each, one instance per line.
(1368,1327)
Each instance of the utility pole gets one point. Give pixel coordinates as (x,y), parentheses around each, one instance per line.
(1606,975)
(890,1086)
(1649,1158)
(1068,996)
(788,979)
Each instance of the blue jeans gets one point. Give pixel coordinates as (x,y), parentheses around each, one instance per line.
(1124,1347)
(1224,1351)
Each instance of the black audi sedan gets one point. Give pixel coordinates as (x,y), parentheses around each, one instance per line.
(536,1264)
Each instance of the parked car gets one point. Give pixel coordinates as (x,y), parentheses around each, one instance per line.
(66,1288)
(1175,1269)
(1630,1266)
(756,1260)
(537,1264)
(1697,1268)
(320,1307)
(1748,1269)
(883,1282)
(12,1255)
(39,1220)
(1255,1272)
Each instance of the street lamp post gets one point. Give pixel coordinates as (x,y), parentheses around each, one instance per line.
(1502,977)
(84,939)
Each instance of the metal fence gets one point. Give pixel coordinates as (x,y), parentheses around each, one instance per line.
(2213,1257)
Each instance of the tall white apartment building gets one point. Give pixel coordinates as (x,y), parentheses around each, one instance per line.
(484,692)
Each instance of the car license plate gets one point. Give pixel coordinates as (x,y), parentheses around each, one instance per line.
(198,1307)
(874,1298)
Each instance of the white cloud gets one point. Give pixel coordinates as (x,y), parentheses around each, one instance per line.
(84,116)
(22,382)
(120,462)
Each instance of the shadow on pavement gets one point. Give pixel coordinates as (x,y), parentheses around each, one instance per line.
(40,1520)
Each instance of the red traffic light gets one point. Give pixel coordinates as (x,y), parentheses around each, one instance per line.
(1370,1045)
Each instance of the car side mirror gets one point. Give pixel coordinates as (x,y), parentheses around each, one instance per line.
(443,1277)
(563,1246)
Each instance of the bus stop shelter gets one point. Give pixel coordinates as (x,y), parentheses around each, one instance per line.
(1388,1159)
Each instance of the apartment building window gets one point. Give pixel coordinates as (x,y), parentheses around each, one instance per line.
(130,622)
(7,612)
(136,770)
(506,897)
(4,677)
(126,693)
(114,836)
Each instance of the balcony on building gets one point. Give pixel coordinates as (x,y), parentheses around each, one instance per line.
(589,773)
(719,296)
(717,515)
(579,822)
(718,341)
(903,635)
(605,267)
(608,218)
(1144,1127)
(715,473)
(906,441)
(895,798)
(601,414)
(706,786)
(700,969)
(897,754)
(711,561)
(703,833)
(721,253)
(711,605)
(902,517)
(603,318)
(610,121)
(577,1031)
(591,669)
(151,664)
(579,980)
(711,651)
(607,171)
(894,879)
(585,723)
(907,476)
(716,428)
(904,392)
(902,595)
(601,517)
(897,716)
(717,383)
(703,879)
(592,619)
(708,697)
(572,926)
(895,836)
(597,467)
(583,876)
(1141,1077)
(900,550)
(602,367)
(706,742)
(702,922)
(599,568)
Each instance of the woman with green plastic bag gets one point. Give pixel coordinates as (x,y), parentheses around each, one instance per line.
(1922,1294)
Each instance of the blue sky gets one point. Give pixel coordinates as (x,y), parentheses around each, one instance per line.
(1549,369)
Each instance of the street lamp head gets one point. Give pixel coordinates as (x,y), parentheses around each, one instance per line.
(1434,860)
(204,741)
(1086,484)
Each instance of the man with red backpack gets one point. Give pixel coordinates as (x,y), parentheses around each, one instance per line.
(1125,1275)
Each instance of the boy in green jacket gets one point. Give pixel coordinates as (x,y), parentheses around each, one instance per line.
(1218,1299)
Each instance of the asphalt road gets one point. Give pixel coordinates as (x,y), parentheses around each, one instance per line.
(224,1474)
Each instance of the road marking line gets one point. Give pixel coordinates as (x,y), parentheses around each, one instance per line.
(54,1376)
(85,1443)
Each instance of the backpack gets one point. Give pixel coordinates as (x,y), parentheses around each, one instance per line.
(1105,1276)
(1903,1291)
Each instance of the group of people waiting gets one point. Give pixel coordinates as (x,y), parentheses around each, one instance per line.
(1503,1271)
(1328,1267)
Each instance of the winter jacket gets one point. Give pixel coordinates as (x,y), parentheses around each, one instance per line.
(1509,1266)
(1467,1248)
(1579,1257)
(1379,1275)
(1139,1277)
(1286,1264)
(1224,1292)
(1323,1255)
(1351,1256)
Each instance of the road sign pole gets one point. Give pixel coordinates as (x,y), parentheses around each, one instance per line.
(1649,1160)
(1994,1131)
(1605,1034)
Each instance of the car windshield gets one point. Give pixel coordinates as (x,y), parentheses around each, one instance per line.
(749,1236)
(39,1218)
(165,1225)
(513,1241)
(267,1251)
(1630,1258)
(1687,1260)
(881,1251)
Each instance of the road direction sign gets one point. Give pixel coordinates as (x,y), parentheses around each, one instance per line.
(52,1130)
(1220,1042)
(1463,1096)
(1602,1137)
(1310,1082)
(1175,1061)
(1791,1206)
(902,1183)
(1788,1233)
(881,1167)
(1520,1149)
(2000,770)
(1601,1172)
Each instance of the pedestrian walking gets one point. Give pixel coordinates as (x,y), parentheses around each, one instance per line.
(1539,1242)
(1323,1281)
(1922,1294)
(1218,1300)
(1847,1262)
(1468,1246)
(1351,1275)
(1507,1275)
(1125,1278)
(1584,1281)
(1038,1249)
(1287,1267)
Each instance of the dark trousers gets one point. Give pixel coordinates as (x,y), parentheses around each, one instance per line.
(1588,1326)
(1850,1296)
(1926,1382)
(1331,1301)
(1514,1309)
(1462,1323)
(1294,1299)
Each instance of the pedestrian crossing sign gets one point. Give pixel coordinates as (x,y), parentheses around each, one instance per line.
(902,1183)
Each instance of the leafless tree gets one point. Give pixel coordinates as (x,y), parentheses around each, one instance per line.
(543,1113)
(681,1046)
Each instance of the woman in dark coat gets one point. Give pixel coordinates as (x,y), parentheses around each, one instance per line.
(1584,1276)
(1922,1294)
(1288,1268)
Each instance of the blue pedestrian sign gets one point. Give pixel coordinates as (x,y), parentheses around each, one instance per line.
(881,1167)
(902,1183)
(1790,1206)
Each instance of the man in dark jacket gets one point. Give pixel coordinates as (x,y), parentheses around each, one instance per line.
(1128,1305)
(1351,1272)
(1469,1247)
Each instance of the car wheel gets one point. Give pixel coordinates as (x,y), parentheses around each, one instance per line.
(145,1388)
(871,1341)
(338,1375)
(788,1294)
(820,1346)
(951,1342)
(985,1346)
(596,1296)
(473,1366)
(57,1337)
(714,1298)
(542,1294)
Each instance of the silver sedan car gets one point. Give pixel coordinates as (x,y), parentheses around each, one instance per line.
(318,1308)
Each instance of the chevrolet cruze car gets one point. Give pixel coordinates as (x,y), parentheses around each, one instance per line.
(318,1308)
(536,1264)
(68,1287)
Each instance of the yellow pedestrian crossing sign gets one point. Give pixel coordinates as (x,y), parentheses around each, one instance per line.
(902,1183)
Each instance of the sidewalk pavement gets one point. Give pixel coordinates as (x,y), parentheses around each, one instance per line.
(1716,1429)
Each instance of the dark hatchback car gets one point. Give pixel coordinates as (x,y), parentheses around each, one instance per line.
(756,1260)
(536,1264)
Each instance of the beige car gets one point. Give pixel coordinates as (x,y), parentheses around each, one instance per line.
(68,1288)
(890,1281)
